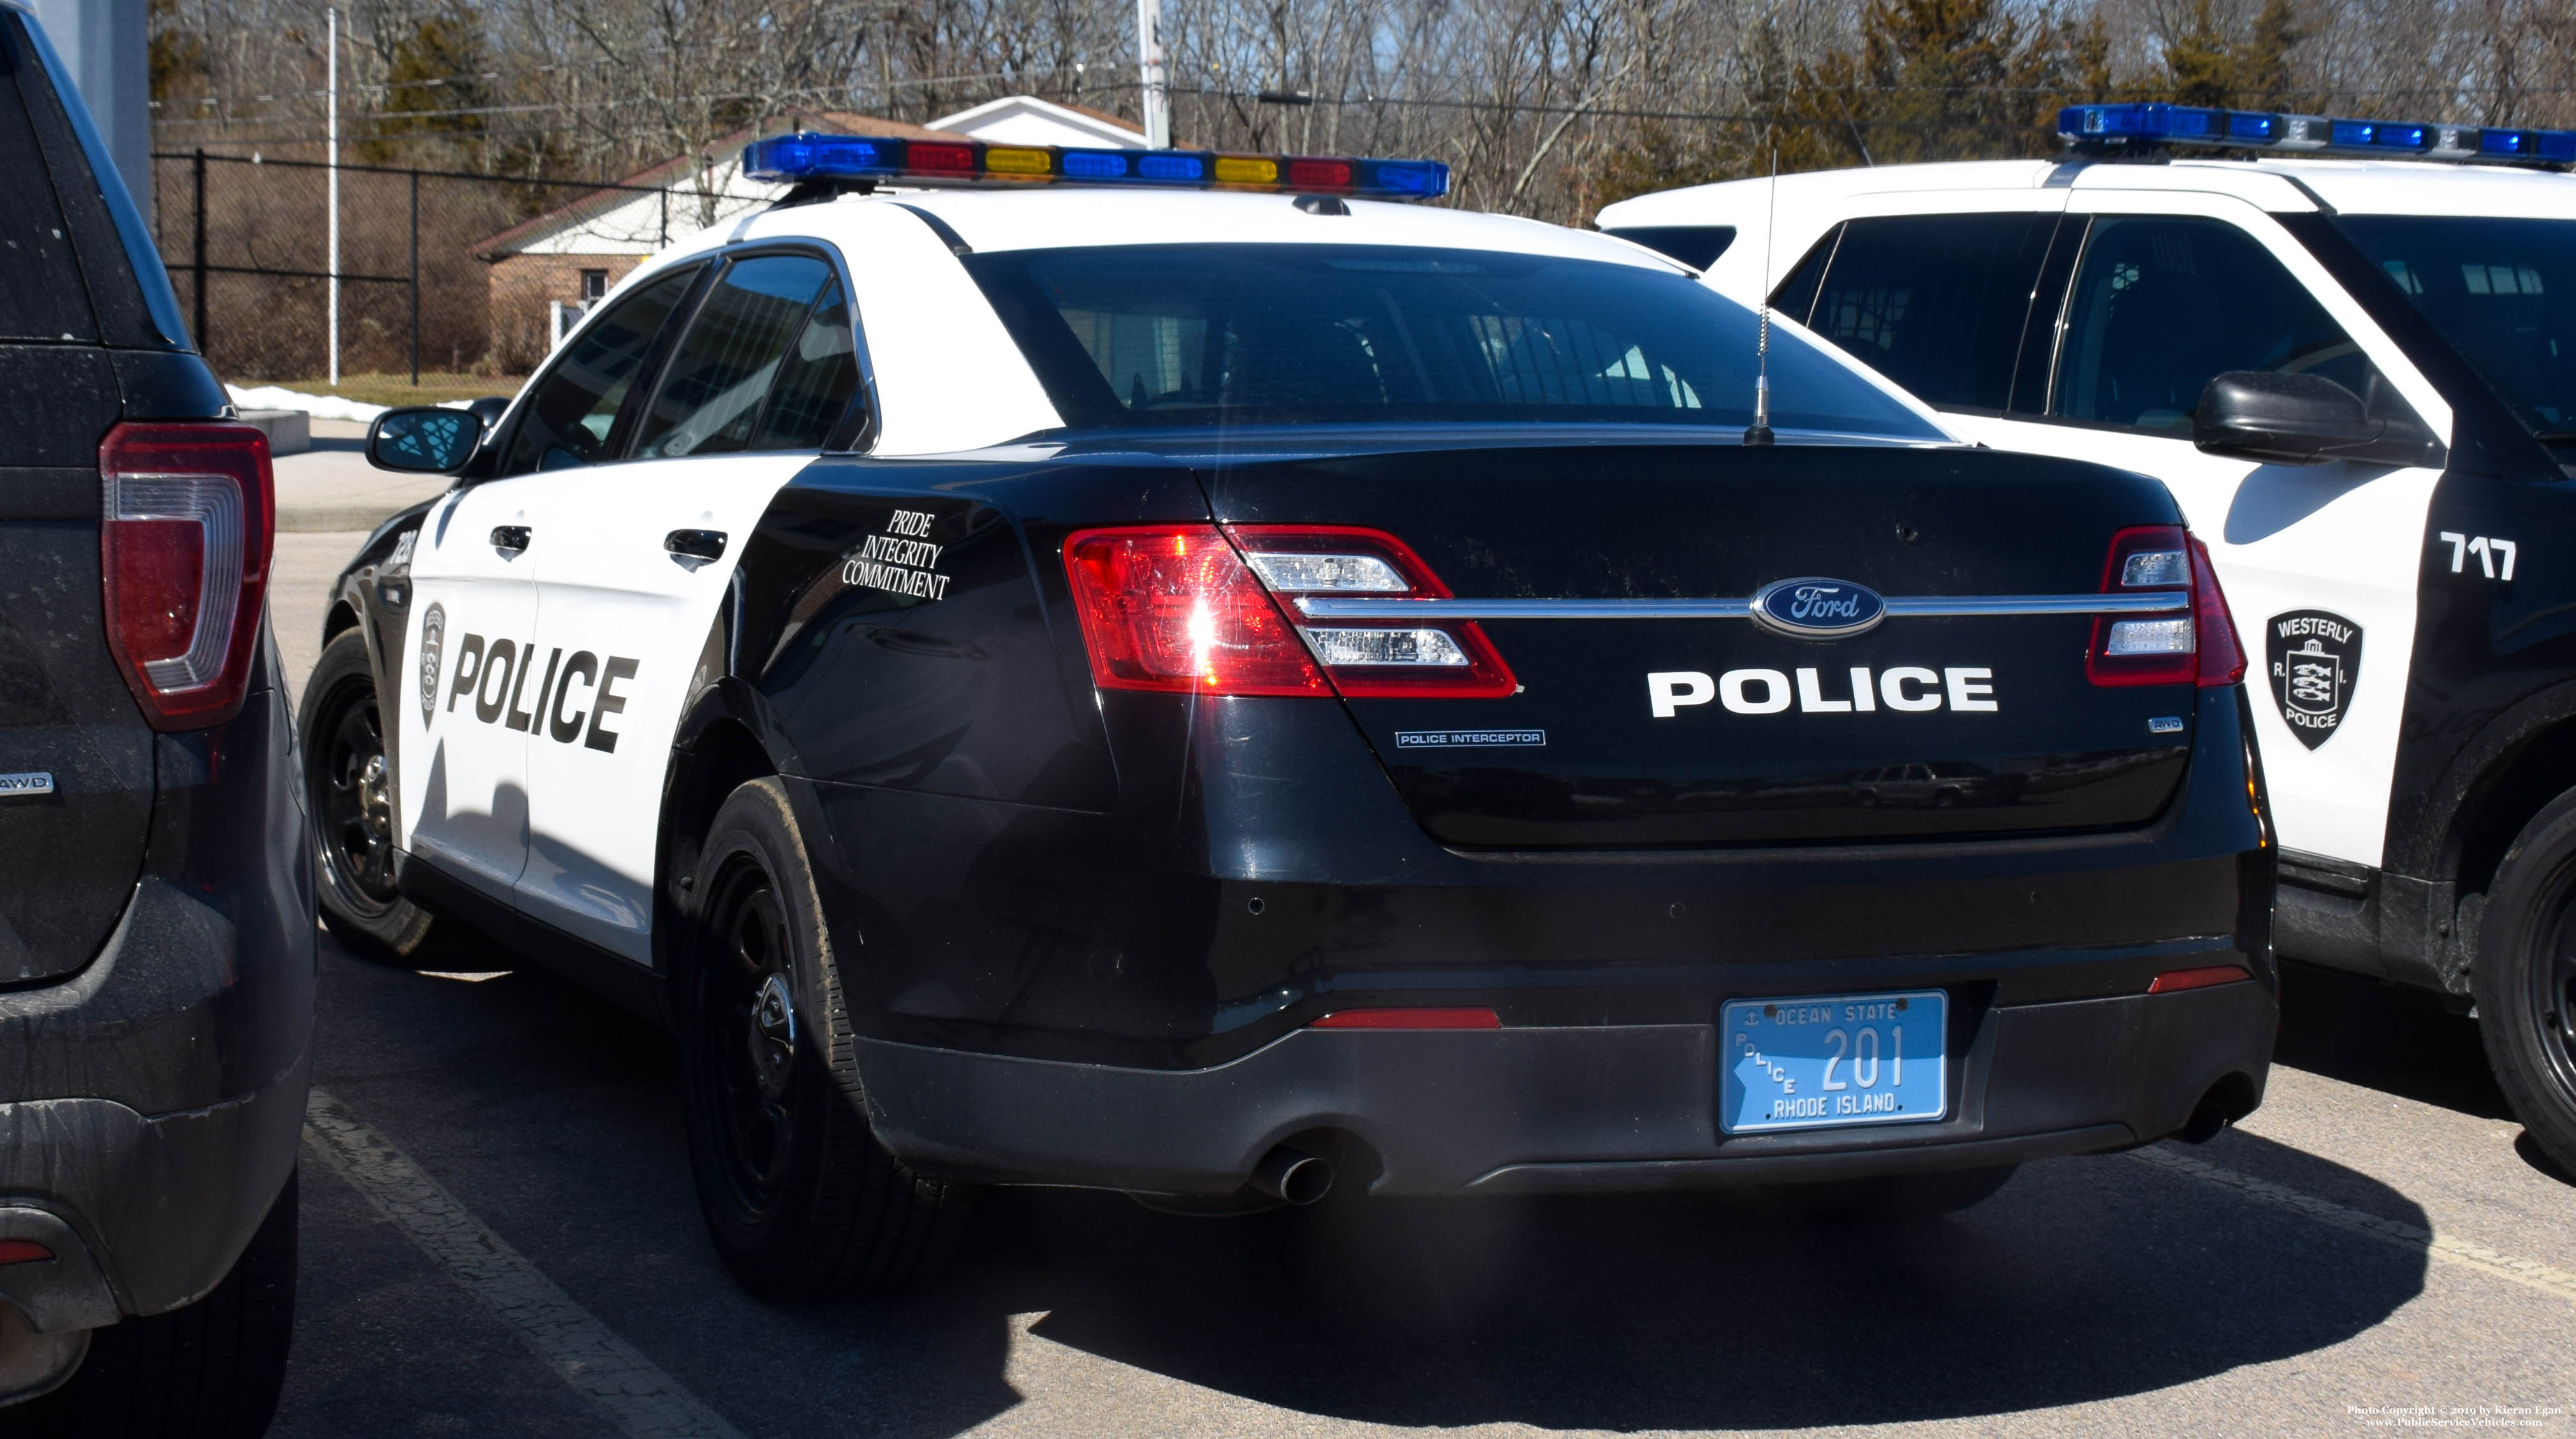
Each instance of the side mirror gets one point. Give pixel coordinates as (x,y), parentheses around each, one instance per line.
(424,439)
(2303,420)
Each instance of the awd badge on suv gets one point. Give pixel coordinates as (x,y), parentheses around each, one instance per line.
(1818,609)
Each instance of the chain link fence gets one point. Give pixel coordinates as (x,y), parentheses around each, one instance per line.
(435,270)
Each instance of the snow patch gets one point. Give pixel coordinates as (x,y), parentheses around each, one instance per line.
(320,407)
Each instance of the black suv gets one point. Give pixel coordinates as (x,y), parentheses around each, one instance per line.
(156,916)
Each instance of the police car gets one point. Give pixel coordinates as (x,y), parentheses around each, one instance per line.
(1214,682)
(2351,352)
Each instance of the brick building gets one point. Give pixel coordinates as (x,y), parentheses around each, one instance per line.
(543,273)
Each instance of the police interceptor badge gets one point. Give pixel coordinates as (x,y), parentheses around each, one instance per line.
(2315,659)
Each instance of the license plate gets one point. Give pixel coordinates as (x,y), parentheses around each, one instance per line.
(1828,1061)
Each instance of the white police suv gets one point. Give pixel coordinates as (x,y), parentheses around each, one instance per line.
(2349,347)
(1165,671)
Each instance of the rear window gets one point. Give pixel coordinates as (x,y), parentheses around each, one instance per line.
(41,296)
(1197,335)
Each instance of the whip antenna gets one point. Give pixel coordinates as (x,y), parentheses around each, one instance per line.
(1759,432)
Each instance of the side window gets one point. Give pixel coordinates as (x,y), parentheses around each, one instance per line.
(2162,304)
(1933,302)
(572,407)
(722,370)
(815,383)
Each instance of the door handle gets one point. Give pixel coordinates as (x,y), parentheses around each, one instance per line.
(698,544)
(511,539)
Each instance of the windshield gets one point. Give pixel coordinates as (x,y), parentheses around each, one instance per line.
(1196,335)
(2503,292)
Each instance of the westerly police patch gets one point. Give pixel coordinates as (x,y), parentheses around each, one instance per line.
(2316,658)
(433,641)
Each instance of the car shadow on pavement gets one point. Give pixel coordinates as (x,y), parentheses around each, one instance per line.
(2403,1042)
(553,1116)
(2085,1279)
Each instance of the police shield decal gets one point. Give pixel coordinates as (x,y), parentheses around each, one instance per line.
(433,640)
(2315,660)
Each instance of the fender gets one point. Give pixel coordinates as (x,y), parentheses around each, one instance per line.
(376,586)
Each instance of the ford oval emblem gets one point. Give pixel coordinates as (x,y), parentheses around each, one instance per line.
(1818,609)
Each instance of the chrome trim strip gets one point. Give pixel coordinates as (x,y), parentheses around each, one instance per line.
(1326,608)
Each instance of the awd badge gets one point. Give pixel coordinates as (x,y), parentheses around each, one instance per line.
(2315,659)
(433,641)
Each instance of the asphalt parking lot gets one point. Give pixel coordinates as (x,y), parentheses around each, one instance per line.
(500,1238)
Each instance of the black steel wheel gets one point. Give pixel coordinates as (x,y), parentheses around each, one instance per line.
(748,1023)
(349,791)
(799,1198)
(2524,979)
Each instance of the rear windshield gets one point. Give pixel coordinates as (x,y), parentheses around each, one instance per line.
(1197,335)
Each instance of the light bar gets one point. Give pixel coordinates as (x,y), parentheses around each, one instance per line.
(2102,128)
(808,156)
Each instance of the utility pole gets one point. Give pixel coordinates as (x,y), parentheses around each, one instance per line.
(331,70)
(1149,57)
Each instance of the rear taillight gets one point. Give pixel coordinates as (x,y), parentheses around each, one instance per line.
(1179,608)
(2222,658)
(184,544)
(1374,658)
(1173,608)
(2195,643)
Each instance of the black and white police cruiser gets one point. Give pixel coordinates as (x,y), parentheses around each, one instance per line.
(2350,351)
(1206,681)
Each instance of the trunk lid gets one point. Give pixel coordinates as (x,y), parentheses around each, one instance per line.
(1971,725)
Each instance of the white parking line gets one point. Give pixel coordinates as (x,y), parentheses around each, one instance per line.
(632,1390)
(2445,1247)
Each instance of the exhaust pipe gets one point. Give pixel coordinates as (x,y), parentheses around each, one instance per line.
(1292,1176)
(2227,1101)
(2205,1123)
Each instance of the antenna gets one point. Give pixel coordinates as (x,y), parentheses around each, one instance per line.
(1759,432)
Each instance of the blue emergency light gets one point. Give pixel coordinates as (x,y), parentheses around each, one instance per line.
(808,156)
(2112,128)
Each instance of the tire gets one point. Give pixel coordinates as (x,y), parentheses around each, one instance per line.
(348,791)
(800,1199)
(211,1370)
(1895,1196)
(2525,979)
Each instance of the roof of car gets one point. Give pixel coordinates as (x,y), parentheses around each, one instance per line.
(1057,217)
(2395,187)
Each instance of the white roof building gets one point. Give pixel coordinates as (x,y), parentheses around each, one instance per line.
(1028,120)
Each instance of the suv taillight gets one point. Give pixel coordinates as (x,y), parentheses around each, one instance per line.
(184,544)
(1179,608)
(2196,644)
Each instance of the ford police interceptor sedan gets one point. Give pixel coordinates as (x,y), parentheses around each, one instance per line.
(2350,353)
(1204,693)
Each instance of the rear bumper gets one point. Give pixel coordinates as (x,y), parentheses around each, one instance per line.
(151,1103)
(1599,1107)
(143,1213)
